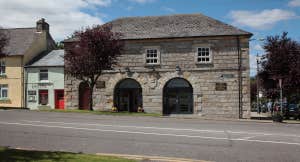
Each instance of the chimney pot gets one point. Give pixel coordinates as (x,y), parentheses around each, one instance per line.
(42,25)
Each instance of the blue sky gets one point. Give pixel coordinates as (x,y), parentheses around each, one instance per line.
(261,17)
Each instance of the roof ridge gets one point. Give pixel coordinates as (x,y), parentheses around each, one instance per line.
(18,28)
(133,17)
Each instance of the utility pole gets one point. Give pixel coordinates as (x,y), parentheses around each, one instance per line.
(257,84)
(281,103)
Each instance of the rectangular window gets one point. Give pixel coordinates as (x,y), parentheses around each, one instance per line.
(152,56)
(3,91)
(43,97)
(43,75)
(203,55)
(2,67)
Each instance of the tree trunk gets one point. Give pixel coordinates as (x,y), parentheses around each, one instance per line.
(91,96)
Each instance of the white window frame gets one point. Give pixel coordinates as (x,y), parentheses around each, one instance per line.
(3,87)
(209,55)
(2,64)
(43,72)
(149,58)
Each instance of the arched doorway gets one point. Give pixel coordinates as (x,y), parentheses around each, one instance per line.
(178,97)
(128,95)
(84,96)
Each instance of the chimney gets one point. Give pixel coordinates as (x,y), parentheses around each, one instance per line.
(42,25)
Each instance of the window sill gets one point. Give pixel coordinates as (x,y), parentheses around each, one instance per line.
(5,100)
(3,76)
(152,65)
(44,81)
(203,63)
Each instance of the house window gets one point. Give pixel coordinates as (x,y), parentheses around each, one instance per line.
(3,91)
(203,55)
(2,67)
(43,75)
(152,56)
(43,97)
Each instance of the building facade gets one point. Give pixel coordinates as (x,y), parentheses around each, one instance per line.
(44,85)
(178,64)
(23,45)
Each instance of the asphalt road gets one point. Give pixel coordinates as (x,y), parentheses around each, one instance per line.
(169,137)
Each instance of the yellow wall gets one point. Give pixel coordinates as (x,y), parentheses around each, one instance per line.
(14,81)
(15,71)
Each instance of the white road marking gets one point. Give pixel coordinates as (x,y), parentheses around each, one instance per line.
(147,133)
(246,138)
(164,128)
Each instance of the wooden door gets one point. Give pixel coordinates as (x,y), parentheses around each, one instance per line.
(84,96)
(59,99)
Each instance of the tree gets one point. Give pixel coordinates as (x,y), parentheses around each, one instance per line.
(3,42)
(59,45)
(283,62)
(253,89)
(95,49)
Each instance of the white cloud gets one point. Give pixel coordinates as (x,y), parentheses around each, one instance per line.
(253,65)
(142,1)
(260,20)
(258,47)
(167,9)
(294,3)
(64,16)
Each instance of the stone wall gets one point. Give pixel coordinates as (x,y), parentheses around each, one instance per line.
(178,52)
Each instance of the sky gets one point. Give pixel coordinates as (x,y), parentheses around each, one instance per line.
(260,17)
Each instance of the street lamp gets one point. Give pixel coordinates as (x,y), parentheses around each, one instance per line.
(258,61)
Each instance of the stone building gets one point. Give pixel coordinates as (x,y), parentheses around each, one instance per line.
(177,64)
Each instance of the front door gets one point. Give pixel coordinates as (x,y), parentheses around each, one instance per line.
(178,101)
(178,97)
(124,101)
(59,99)
(128,95)
(84,96)
(128,100)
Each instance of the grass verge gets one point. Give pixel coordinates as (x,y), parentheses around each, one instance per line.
(15,155)
(103,112)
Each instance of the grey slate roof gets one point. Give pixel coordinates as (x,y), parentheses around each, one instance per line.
(172,26)
(52,58)
(20,39)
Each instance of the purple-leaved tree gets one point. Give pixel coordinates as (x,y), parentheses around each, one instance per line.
(3,42)
(95,49)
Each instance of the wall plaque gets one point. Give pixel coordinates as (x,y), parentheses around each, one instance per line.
(228,75)
(221,86)
(100,84)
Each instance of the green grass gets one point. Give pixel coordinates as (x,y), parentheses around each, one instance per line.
(103,112)
(13,155)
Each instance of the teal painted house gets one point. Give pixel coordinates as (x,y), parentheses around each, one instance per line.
(44,81)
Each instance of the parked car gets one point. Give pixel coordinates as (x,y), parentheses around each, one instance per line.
(291,110)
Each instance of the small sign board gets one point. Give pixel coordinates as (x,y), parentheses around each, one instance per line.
(100,84)
(31,99)
(228,75)
(32,93)
(221,86)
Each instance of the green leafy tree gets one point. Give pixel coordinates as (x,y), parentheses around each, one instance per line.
(283,62)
